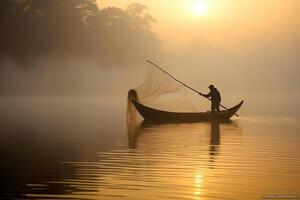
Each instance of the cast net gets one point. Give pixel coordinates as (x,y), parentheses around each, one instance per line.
(162,92)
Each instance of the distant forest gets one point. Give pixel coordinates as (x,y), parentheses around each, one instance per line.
(33,28)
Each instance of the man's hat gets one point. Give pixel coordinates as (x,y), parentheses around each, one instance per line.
(211,86)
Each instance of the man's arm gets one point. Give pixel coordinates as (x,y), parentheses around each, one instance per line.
(205,95)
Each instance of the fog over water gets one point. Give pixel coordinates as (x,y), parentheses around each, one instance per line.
(84,79)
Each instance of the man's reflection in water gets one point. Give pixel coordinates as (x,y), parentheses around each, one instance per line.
(215,136)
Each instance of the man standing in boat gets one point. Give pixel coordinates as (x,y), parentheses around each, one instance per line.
(215,98)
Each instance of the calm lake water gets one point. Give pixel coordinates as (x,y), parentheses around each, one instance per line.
(84,149)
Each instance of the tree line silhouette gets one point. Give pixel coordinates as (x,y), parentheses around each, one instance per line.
(32,28)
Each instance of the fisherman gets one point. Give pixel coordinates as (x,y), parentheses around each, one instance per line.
(215,98)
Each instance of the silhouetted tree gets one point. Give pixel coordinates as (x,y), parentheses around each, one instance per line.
(31,28)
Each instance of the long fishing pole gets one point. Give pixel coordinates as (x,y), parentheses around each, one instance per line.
(183,83)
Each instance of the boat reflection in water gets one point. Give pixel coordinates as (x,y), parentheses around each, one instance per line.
(136,130)
(184,156)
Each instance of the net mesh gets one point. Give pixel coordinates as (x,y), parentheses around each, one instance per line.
(162,92)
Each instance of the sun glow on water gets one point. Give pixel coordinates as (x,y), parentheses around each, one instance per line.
(198,182)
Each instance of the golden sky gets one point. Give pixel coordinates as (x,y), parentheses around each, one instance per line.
(219,22)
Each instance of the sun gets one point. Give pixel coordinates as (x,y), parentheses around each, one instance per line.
(199,8)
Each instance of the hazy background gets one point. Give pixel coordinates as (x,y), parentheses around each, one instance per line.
(66,67)
(85,48)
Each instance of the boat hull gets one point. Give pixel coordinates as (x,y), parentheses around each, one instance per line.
(155,115)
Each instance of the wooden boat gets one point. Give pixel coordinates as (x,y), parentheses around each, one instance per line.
(155,115)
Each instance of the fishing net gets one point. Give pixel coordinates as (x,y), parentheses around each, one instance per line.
(162,92)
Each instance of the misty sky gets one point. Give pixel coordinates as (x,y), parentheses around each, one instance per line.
(249,46)
(225,23)
(251,43)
